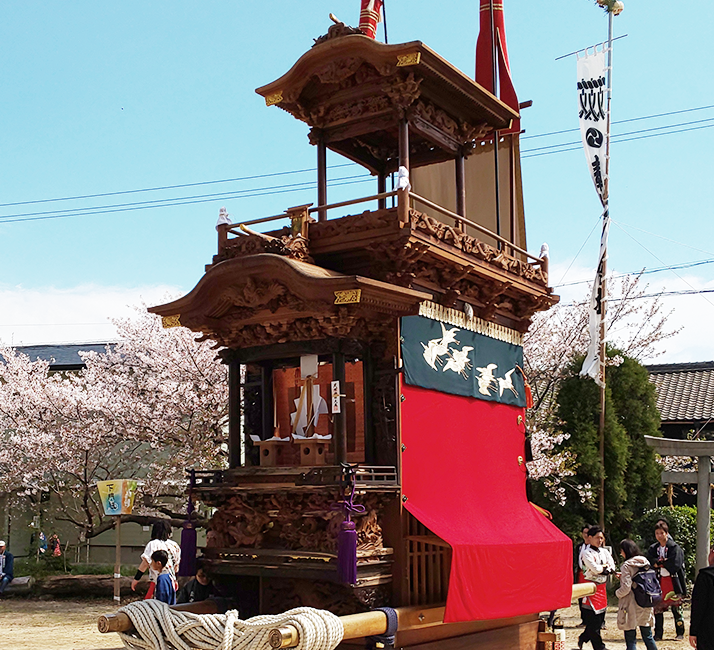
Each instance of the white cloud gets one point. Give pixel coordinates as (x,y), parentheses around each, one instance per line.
(78,315)
(82,314)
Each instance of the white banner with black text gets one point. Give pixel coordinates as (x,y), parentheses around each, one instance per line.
(592,104)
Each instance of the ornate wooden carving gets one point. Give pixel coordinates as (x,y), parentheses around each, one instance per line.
(292,521)
(338,30)
(280,595)
(295,248)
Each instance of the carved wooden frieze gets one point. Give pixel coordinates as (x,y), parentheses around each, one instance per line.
(473,246)
(292,521)
(281,595)
(295,248)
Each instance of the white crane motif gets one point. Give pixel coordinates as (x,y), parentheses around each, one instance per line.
(506,383)
(459,361)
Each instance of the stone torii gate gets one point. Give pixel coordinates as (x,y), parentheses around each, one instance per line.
(703,450)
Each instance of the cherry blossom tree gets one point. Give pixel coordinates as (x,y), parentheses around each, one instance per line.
(149,407)
(636,325)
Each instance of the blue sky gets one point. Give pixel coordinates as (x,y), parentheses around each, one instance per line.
(110,97)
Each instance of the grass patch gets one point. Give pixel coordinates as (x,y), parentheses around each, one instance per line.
(54,566)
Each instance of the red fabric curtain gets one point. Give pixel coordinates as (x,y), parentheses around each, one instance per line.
(462,479)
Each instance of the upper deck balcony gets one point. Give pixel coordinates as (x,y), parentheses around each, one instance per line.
(388,107)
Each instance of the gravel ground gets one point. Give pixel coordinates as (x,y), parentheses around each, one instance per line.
(615,639)
(54,625)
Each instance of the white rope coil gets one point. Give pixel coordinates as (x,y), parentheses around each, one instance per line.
(159,627)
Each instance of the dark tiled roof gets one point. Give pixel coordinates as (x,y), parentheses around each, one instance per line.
(685,391)
(61,357)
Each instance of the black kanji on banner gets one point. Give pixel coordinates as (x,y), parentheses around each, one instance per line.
(592,99)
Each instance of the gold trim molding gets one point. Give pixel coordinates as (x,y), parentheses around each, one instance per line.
(459,319)
(275,98)
(413,58)
(348,297)
(171,321)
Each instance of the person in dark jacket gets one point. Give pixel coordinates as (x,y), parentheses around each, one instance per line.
(667,557)
(196,589)
(701,627)
(7,563)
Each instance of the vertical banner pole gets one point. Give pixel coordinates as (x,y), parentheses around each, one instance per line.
(497,187)
(117,561)
(603,311)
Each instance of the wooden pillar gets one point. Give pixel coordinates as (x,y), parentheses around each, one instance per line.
(4,517)
(339,419)
(704,497)
(513,193)
(460,188)
(404,142)
(381,188)
(403,196)
(117,560)
(234,428)
(321,177)
(266,393)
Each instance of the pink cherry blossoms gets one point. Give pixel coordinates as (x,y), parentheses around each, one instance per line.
(153,405)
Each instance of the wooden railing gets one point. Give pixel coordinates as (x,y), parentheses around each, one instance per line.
(300,218)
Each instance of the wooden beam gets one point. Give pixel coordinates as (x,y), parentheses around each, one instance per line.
(340,419)
(404,143)
(321,176)
(460,187)
(435,135)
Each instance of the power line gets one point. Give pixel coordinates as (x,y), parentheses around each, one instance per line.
(631,119)
(171,187)
(215,195)
(683,265)
(622,135)
(209,199)
(643,137)
(661,262)
(312,169)
(278,189)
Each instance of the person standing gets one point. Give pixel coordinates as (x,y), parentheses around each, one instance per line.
(598,564)
(701,627)
(667,557)
(160,533)
(7,564)
(165,590)
(579,570)
(630,615)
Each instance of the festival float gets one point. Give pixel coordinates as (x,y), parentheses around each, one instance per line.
(377,428)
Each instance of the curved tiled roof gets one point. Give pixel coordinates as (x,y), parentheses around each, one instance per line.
(61,356)
(685,391)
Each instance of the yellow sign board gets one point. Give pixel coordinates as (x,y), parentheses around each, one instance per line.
(117,496)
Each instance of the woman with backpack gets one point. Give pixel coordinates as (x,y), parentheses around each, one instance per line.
(630,614)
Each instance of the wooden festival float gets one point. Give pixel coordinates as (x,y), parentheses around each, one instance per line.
(378,353)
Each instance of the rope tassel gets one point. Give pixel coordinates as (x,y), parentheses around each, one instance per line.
(347,552)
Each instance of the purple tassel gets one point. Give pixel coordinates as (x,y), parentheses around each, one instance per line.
(187,567)
(347,553)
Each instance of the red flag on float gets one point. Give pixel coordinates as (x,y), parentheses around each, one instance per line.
(493,30)
(369,16)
